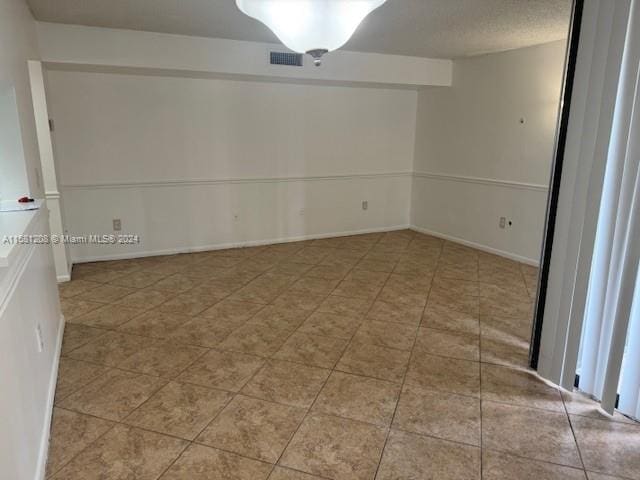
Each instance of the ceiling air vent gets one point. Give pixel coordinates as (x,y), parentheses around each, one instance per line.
(286,58)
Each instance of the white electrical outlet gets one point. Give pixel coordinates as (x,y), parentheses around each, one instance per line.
(117,224)
(503,222)
(39,338)
(365,204)
(302,212)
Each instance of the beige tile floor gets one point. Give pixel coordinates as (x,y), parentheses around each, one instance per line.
(387,356)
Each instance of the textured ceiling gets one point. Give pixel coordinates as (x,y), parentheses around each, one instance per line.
(425,28)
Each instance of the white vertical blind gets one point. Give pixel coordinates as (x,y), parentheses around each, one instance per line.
(604,79)
(629,388)
(592,305)
(614,269)
(597,73)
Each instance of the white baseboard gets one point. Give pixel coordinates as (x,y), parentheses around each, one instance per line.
(478,246)
(44,439)
(63,278)
(272,241)
(222,246)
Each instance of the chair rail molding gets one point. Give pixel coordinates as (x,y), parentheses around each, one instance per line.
(482,181)
(239,180)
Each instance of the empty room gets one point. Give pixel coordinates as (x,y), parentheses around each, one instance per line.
(319,239)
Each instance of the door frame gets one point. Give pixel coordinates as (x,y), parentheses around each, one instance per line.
(556,177)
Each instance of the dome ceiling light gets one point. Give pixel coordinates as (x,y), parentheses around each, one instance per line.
(310,26)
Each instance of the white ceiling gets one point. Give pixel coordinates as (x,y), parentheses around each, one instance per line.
(425,28)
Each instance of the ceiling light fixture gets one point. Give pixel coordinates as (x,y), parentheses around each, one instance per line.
(310,26)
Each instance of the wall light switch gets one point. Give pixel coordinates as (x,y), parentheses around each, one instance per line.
(117,224)
(365,205)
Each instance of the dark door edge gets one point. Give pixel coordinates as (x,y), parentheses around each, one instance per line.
(556,177)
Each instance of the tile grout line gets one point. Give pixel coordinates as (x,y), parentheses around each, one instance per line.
(188,442)
(309,409)
(535,460)
(270,357)
(196,316)
(232,397)
(404,377)
(217,347)
(480,381)
(243,352)
(192,442)
(73,457)
(150,396)
(573,434)
(235,394)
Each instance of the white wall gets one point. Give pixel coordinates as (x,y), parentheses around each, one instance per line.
(154,129)
(475,161)
(178,158)
(28,301)
(80,45)
(18,44)
(28,293)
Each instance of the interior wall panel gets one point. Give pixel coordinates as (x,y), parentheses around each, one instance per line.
(193,163)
